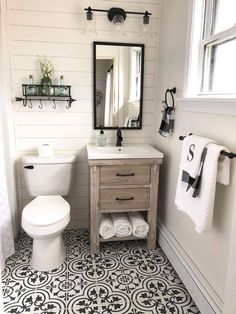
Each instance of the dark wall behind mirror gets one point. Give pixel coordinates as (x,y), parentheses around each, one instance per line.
(118,85)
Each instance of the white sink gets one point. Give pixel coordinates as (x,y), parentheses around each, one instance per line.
(124,152)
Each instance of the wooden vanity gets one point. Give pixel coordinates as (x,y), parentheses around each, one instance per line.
(121,184)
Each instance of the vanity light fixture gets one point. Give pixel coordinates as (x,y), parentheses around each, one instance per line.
(91,23)
(117,15)
(89,14)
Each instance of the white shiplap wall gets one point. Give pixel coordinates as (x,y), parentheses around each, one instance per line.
(54,28)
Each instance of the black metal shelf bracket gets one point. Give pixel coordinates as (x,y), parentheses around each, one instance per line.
(34,92)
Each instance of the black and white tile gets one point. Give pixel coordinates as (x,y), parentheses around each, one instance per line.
(125,277)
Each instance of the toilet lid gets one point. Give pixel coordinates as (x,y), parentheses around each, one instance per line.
(46,210)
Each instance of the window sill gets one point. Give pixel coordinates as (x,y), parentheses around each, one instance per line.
(226,106)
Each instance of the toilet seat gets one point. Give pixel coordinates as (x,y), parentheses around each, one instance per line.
(46,211)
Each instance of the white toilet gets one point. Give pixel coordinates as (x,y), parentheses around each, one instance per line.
(48,214)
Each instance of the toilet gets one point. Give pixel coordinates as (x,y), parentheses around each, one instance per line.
(48,214)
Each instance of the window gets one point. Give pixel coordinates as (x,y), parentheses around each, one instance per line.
(213,55)
(137,73)
(135,78)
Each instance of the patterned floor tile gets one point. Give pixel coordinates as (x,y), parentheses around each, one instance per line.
(118,248)
(5,275)
(24,242)
(85,301)
(72,251)
(57,287)
(143,261)
(170,274)
(52,311)
(76,284)
(157,296)
(93,267)
(18,299)
(75,236)
(130,280)
(100,298)
(24,275)
(49,302)
(125,277)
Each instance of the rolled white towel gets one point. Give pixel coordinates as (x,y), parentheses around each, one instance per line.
(106,229)
(139,225)
(121,224)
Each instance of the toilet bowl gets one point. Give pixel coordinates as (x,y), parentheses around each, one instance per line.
(44,219)
(46,216)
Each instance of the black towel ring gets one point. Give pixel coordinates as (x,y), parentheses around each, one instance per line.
(172,91)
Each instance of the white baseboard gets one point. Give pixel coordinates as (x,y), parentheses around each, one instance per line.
(199,288)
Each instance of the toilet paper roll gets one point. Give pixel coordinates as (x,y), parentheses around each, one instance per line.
(45,150)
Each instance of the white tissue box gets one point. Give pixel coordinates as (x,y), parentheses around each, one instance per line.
(45,150)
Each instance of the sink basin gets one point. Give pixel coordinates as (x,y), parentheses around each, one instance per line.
(124,152)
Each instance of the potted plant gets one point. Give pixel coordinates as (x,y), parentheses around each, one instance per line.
(47,69)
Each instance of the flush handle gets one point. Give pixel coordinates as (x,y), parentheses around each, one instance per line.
(29,167)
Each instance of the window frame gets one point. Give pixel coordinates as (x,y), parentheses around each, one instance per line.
(202,18)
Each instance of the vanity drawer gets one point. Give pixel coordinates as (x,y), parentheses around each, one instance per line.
(124,198)
(125,174)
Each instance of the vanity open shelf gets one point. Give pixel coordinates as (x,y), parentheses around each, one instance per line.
(123,180)
(122,239)
(40,93)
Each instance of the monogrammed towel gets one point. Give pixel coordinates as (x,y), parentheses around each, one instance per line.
(215,168)
(193,157)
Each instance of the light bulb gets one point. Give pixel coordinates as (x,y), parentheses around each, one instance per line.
(90,27)
(118,20)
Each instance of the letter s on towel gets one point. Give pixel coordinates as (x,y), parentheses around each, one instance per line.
(191,149)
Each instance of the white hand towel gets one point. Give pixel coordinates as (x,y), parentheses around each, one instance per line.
(121,224)
(192,150)
(106,229)
(139,225)
(200,209)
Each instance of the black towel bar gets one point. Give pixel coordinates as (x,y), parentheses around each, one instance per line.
(227,154)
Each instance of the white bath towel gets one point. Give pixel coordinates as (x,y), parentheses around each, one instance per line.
(200,209)
(192,161)
(121,224)
(139,225)
(192,150)
(106,229)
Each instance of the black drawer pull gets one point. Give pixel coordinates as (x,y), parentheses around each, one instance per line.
(125,199)
(125,174)
(29,167)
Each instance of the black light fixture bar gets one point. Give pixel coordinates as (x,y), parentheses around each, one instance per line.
(95,10)
(127,12)
(139,13)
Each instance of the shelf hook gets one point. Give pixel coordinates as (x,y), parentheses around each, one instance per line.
(54,106)
(30,105)
(68,104)
(41,104)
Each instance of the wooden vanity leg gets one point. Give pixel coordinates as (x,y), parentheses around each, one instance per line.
(152,214)
(94,209)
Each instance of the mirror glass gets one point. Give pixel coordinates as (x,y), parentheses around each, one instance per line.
(118,85)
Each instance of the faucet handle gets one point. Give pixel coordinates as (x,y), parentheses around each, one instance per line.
(119,137)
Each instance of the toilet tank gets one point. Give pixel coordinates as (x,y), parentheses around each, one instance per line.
(48,175)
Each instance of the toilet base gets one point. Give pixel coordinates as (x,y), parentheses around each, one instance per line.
(47,253)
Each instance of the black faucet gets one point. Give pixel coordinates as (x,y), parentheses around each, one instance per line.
(119,137)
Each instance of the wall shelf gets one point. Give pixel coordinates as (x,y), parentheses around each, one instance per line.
(54,93)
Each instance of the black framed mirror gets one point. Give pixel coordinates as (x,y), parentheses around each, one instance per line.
(118,70)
